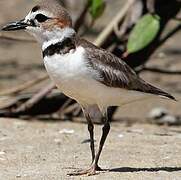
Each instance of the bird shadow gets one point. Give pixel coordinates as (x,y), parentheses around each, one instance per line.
(152,169)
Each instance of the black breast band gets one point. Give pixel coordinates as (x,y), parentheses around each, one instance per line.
(62,47)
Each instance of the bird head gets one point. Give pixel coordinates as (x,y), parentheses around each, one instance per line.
(47,20)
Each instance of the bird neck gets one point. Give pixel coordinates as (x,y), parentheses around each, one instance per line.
(62,42)
(62,47)
(57,36)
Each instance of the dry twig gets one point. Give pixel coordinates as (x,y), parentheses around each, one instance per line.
(23,87)
(36,98)
(13,38)
(110,27)
(131,17)
(159,70)
(81,18)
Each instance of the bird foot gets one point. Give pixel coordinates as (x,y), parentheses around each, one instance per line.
(89,172)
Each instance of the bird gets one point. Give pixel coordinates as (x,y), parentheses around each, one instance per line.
(84,72)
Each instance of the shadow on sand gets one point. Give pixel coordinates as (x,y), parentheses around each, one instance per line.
(156,169)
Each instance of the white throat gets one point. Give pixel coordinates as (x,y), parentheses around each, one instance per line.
(47,38)
(56,36)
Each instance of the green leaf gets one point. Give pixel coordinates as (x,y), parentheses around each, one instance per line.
(96,8)
(143,33)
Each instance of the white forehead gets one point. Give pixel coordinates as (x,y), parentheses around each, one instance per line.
(31,15)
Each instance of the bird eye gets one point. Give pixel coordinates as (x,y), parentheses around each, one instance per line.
(36,8)
(41,18)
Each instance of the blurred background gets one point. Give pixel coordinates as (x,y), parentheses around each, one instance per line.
(21,61)
(119,26)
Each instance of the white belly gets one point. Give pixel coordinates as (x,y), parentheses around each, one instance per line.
(75,79)
(71,75)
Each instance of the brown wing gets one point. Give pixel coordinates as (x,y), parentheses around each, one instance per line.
(116,73)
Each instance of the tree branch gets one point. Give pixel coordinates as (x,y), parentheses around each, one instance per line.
(13,38)
(23,87)
(36,98)
(158,70)
(110,27)
(81,18)
(170,34)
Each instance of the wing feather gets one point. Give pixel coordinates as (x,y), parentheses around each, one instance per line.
(114,72)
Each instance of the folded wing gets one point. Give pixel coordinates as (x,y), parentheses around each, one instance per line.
(116,73)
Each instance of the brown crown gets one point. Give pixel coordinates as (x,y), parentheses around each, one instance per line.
(61,15)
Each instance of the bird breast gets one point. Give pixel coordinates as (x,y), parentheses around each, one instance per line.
(71,74)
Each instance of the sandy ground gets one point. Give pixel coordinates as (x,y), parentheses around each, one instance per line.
(38,150)
(41,151)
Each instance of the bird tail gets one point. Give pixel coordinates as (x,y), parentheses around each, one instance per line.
(148,88)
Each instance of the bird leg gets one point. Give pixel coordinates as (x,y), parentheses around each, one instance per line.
(91,132)
(105,132)
(94,166)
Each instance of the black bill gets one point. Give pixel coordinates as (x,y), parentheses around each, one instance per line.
(18,25)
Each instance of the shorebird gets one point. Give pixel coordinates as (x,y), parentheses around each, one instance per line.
(82,71)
